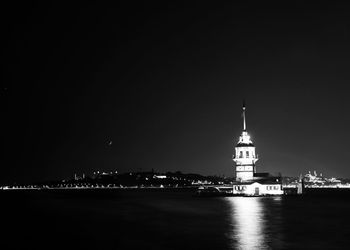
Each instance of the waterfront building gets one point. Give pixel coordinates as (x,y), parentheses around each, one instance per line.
(248,181)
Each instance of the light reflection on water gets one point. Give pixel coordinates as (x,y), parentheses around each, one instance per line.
(249,223)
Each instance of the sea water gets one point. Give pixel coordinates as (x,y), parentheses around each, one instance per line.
(171,219)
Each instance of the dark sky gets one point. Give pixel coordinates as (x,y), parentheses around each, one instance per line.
(165,84)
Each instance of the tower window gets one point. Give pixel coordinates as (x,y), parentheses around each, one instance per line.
(247,154)
(240,154)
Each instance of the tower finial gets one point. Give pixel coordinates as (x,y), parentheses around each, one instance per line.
(244,124)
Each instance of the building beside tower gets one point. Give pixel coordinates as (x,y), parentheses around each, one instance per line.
(248,181)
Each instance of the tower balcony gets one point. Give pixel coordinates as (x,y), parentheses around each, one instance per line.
(255,157)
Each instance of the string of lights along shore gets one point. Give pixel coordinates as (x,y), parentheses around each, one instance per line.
(245,156)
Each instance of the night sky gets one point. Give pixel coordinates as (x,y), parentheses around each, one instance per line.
(135,87)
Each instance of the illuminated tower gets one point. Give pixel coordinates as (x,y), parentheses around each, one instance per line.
(245,156)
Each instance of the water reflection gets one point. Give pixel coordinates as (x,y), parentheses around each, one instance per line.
(248,220)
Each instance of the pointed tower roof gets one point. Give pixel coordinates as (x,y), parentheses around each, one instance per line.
(244,139)
(244,124)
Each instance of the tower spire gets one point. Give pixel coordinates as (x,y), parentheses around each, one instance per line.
(244,124)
